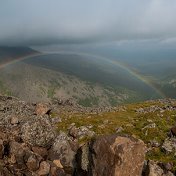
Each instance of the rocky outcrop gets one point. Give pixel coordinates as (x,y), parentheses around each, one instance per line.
(26,140)
(31,145)
(111,155)
(20,158)
(107,155)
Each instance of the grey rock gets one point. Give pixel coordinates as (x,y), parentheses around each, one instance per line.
(169,145)
(85,132)
(154,143)
(119,129)
(152,125)
(38,132)
(153,169)
(56,120)
(62,150)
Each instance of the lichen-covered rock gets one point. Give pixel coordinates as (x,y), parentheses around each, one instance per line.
(113,156)
(83,131)
(153,169)
(63,151)
(169,145)
(38,132)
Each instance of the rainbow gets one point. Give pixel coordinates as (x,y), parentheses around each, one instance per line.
(117,63)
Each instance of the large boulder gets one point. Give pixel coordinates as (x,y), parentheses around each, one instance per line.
(38,132)
(111,155)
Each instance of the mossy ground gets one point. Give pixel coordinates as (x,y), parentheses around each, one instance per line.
(132,123)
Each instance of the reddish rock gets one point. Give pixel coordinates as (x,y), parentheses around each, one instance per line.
(173,130)
(1,149)
(5,172)
(17,150)
(44,168)
(40,151)
(55,171)
(41,109)
(113,156)
(32,163)
(4,137)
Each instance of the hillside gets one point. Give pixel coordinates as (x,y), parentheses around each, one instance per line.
(32,83)
(86,80)
(65,139)
(150,121)
(8,54)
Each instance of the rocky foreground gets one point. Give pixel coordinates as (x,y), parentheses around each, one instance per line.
(32,144)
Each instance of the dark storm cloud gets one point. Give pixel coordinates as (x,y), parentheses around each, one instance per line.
(45,22)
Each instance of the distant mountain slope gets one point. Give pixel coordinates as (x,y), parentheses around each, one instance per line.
(34,83)
(95,70)
(11,53)
(86,80)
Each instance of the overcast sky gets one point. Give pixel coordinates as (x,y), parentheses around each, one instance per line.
(58,22)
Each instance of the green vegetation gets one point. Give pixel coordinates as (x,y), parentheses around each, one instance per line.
(132,122)
(52,88)
(89,102)
(51,92)
(4,90)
